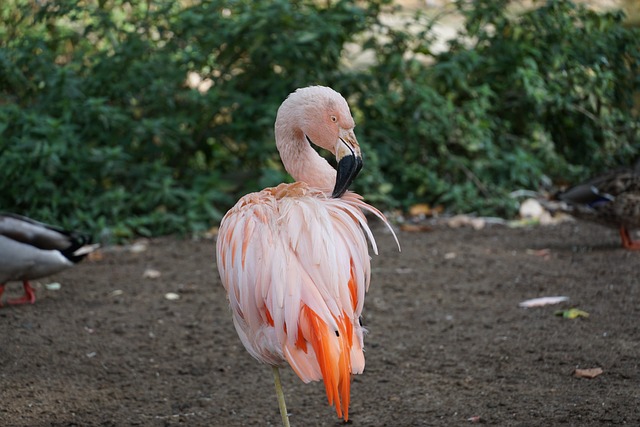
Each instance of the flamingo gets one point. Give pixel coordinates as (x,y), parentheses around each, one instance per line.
(30,249)
(294,258)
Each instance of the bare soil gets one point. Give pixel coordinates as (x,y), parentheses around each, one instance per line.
(447,339)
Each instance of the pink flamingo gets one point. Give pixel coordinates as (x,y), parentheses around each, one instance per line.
(294,258)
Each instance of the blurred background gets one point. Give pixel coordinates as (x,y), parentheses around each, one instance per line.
(129,118)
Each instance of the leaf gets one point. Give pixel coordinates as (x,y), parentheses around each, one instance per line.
(415,228)
(589,373)
(542,301)
(543,253)
(423,209)
(572,313)
(458,221)
(172,296)
(151,273)
(55,286)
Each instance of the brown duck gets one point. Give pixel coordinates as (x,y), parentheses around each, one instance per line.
(611,199)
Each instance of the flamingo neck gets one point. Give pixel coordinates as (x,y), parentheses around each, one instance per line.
(302,162)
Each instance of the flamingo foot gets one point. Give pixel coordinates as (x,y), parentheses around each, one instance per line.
(627,242)
(29,296)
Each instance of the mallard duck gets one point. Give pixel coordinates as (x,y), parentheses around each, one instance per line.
(611,199)
(30,250)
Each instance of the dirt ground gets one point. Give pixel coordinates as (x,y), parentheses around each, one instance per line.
(447,339)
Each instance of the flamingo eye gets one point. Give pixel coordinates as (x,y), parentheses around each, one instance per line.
(334,119)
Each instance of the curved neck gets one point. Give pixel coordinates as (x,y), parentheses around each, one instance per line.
(300,160)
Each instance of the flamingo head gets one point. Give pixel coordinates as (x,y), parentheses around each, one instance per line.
(323,116)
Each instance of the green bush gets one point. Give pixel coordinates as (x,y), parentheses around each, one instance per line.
(100,130)
(548,92)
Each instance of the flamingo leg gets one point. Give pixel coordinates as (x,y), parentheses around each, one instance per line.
(280,394)
(29,296)
(1,292)
(627,241)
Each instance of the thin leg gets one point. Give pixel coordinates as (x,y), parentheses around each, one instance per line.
(29,296)
(1,292)
(280,394)
(627,242)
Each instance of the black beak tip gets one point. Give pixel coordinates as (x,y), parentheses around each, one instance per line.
(348,169)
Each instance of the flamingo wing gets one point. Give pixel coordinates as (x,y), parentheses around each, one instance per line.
(296,266)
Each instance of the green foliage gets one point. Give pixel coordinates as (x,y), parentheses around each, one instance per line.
(100,129)
(548,92)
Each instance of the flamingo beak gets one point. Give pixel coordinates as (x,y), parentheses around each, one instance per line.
(349,162)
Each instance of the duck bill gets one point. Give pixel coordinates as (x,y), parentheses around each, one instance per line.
(349,162)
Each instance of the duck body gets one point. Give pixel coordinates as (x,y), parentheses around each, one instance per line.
(30,250)
(611,199)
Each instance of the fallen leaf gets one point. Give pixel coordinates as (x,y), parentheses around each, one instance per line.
(413,228)
(524,222)
(544,253)
(450,255)
(97,255)
(420,209)
(138,247)
(542,301)
(423,209)
(171,296)
(572,313)
(458,221)
(475,419)
(55,286)
(151,273)
(587,373)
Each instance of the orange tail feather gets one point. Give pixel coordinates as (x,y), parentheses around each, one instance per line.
(333,352)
